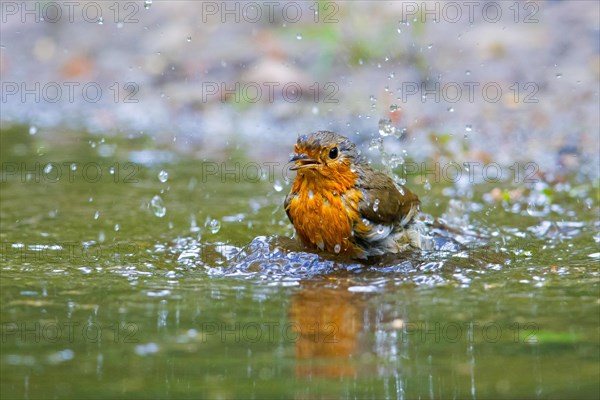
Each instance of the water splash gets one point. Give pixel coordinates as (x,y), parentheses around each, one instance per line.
(386,128)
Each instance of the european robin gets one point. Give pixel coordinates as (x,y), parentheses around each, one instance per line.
(339,204)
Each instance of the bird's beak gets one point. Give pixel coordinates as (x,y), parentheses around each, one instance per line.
(303,161)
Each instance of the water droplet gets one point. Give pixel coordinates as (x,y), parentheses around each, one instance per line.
(360,61)
(101,236)
(213,225)
(158,207)
(33,130)
(467,72)
(450,109)
(48,169)
(193,224)
(147,4)
(380,229)
(111,170)
(534,210)
(192,184)
(394,108)
(386,128)
(400,132)
(337,248)
(376,144)
(163,176)
(373,99)
(315,110)
(558,75)
(399,30)
(100,21)
(376,205)
(427,185)
(97,214)
(74,167)
(117,227)
(299,36)
(468,128)
(277,186)
(538,205)
(189,39)
(391,76)
(395,160)
(429,46)
(310,194)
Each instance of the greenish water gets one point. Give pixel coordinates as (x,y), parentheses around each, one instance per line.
(103,298)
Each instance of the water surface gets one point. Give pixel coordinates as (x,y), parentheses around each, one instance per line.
(108,291)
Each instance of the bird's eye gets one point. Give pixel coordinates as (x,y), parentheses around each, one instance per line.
(333,153)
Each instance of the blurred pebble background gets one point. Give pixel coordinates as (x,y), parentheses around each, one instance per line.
(209,77)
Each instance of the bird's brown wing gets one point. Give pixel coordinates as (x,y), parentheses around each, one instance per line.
(382,202)
(286,204)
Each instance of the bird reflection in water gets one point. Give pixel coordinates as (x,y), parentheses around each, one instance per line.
(328,322)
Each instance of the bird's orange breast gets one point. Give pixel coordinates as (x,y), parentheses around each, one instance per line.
(324,213)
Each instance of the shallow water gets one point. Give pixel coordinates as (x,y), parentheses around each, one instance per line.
(103,296)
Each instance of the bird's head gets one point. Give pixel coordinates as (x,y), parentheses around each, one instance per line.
(325,154)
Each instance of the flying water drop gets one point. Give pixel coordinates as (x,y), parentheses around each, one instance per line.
(163,176)
(386,128)
(376,144)
(158,207)
(213,225)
